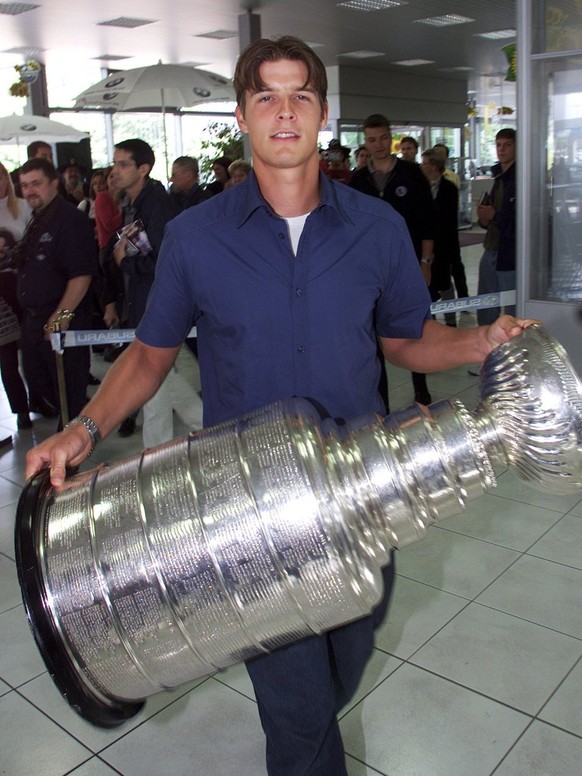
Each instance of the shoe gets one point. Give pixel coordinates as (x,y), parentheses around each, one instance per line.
(5,442)
(44,407)
(420,397)
(94,380)
(126,428)
(23,420)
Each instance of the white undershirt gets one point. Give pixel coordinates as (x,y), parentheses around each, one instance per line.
(295,225)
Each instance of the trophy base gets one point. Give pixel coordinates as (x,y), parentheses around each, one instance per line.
(101,711)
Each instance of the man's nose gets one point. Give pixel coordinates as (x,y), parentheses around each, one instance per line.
(286,109)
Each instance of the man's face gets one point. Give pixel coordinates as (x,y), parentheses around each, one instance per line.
(379,143)
(37,189)
(181,178)
(126,175)
(362,158)
(408,151)
(431,171)
(44,152)
(505,148)
(283,121)
(72,176)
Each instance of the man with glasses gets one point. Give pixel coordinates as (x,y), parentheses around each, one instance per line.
(146,200)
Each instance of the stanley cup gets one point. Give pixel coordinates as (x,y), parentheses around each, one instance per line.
(230,542)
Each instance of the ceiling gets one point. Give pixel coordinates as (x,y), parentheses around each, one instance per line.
(179,28)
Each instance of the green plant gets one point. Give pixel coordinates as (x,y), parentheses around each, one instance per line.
(220,139)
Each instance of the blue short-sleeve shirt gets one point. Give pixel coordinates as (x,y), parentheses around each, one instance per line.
(272,324)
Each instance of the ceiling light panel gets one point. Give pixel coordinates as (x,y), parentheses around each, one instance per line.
(126,21)
(27,51)
(497,34)
(363,54)
(448,20)
(370,5)
(13,9)
(414,62)
(112,57)
(217,34)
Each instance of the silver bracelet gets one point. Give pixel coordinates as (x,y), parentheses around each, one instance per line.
(91,427)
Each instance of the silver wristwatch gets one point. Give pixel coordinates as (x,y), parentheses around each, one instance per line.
(91,427)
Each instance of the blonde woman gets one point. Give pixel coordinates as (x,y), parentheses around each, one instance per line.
(14,216)
(14,212)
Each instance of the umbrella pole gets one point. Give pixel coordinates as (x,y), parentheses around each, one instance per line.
(165,137)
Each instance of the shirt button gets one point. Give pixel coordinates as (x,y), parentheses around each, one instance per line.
(301,349)
(281,235)
(299,291)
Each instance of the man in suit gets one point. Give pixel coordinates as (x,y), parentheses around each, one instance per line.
(447,250)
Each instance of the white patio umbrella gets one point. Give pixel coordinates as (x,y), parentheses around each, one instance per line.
(157,88)
(24,129)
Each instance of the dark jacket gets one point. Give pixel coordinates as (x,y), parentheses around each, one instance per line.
(408,191)
(195,196)
(58,245)
(446,243)
(154,207)
(504,218)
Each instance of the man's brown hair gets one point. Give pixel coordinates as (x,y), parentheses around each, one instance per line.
(376,121)
(39,164)
(247,77)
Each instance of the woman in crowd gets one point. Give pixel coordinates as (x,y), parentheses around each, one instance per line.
(238,171)
(108,220)
(87,204)
(14,216)
(221,175)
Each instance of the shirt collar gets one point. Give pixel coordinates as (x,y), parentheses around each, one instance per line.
(254,201)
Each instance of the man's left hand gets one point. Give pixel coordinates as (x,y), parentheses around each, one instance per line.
(502,330)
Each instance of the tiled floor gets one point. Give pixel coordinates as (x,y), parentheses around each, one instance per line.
(477,671)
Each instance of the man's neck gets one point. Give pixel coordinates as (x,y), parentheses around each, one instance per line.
(506,166)
(39,210)
(383,165)
(290,192)
(134,192)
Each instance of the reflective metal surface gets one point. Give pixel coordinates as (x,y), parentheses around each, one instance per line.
(230,542)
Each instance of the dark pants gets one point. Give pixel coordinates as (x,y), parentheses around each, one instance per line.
(301,688)
(11,378)
(38,362)
(459,277)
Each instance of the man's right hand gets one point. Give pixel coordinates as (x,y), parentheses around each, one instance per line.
(66,449)
(120,250)
(485,214)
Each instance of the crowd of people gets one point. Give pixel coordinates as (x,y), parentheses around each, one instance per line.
(117,278)
(105,280)
(68,259)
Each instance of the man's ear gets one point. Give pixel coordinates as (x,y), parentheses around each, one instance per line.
(324,116)
(238,114)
